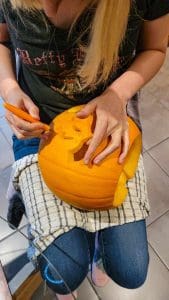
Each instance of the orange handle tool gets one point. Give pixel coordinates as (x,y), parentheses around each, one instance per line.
(23,115)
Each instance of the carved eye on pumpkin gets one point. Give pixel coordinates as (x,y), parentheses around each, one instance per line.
(74,132)
(62,167)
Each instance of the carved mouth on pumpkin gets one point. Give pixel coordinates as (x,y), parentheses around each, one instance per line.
(79,154)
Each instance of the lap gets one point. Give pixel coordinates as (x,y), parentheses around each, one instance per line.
(130,236)
(123,248)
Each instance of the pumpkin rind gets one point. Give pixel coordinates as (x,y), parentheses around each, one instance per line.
(86,187)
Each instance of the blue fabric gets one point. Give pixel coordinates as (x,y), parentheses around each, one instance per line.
(22,148)
(123,249)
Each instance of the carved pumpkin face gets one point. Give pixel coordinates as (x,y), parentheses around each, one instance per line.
(64,172)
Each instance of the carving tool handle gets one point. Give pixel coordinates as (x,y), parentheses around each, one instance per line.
(23,115)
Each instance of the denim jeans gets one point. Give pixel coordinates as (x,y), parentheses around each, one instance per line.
(22,148)
(123,249)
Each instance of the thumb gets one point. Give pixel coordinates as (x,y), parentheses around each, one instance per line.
(31,108)
(87,109)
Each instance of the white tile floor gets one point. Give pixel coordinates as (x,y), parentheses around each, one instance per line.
(154,107)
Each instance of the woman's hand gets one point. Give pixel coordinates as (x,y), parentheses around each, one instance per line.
(21,128)
(111,121)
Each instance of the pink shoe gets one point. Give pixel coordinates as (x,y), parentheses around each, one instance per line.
(67,297)
(98,276)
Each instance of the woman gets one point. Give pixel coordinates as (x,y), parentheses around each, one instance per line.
(97,53)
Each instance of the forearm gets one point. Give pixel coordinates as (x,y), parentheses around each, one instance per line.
(142,70)
(8,79)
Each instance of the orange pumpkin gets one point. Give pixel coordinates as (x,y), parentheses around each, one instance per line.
(85,186)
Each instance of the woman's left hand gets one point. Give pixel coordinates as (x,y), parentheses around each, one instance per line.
(111,121)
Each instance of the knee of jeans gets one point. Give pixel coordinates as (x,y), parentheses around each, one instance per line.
(62,282)
(131,277)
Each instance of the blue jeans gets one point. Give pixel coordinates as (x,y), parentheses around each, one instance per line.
(123,249)
(22,148)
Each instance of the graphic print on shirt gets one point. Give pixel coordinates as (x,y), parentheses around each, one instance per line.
(65,80)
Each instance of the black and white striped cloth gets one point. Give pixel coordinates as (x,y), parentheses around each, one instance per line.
(49,216)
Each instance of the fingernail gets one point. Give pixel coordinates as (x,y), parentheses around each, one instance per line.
(121,160)
(96,161)
(86,161)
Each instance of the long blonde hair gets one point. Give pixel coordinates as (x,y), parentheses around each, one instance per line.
(106,35)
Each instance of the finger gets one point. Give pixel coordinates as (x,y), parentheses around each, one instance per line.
(87,109)
(88,142)
(99,133)
(32,134)
(23,136)
(35,133)
(125,146)
(31,108)
(18,134)
(22,124)
(113,145)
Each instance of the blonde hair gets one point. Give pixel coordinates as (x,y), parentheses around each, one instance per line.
(106,35)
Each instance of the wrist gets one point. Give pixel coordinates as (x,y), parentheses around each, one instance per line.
(9,87)
(118,92)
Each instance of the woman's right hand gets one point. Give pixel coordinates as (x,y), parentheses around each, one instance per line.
(21,128)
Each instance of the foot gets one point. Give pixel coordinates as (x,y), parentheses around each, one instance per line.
(98,276)
(67,297)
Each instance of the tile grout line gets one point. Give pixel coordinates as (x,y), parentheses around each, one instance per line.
(4,135)
(164,264)
(146,150)
(164,106)
(6,167)
(158,164)
(12,233)
(158,218)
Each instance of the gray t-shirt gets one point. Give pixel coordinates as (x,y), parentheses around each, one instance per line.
(48,58)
